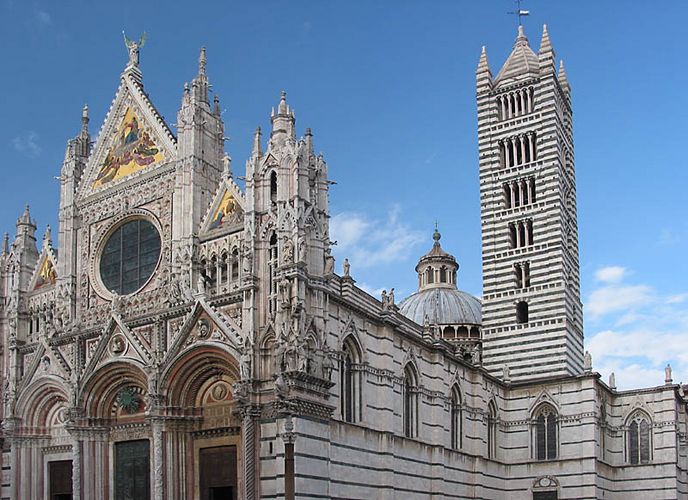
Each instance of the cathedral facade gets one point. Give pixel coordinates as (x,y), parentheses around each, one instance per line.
(192,340)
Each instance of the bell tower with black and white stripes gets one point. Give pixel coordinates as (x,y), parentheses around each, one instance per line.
(532,313)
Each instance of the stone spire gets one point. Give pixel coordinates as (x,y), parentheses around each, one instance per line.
(563,80)
(282,123)
(483,74)
(257,150)
(5,243)
(199,85)
(546,54)
(309,141)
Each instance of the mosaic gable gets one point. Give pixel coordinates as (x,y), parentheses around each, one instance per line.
(132,149)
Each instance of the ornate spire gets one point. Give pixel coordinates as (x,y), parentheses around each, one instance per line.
(201,62)
(545,43)
(283,109)
(309,140)
(5,243)
(84,119)
(282,122)
(216,105)
(25,217)
(257,149)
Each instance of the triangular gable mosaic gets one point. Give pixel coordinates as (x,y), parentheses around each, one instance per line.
(226,210)
(45,273)
(133,139)
(132,148)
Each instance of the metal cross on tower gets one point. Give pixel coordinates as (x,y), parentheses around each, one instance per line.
(521,13)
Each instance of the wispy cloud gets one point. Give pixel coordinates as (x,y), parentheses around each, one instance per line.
(642,330)
(42,17)
(615,298)
(27,144)
(367,241)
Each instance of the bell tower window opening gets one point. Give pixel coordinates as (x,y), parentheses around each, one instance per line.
(522,312)
(430,275)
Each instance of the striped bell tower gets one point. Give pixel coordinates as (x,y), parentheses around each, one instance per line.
(532,313)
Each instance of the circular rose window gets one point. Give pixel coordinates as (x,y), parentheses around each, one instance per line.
(130,256)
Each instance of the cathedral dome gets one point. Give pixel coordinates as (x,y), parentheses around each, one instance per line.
(443,306)
(437,300)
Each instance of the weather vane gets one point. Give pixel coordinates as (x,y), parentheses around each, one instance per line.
(521,13)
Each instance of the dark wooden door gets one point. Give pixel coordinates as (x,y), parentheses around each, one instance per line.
(218,473)
(60,474)
(545,495)
(132,470)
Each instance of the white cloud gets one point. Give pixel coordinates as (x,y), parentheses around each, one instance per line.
(610,274)
(641,331)
(615,298)
(27,144)
(369,242)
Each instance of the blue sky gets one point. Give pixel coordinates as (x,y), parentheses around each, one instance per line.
(388,89)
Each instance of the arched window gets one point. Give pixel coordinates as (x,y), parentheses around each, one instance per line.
(455,415)
(235,265)
(273,187)
(409,393)
(491,430)
(430,277)
(545,433)
(224,268)
(267,359)
(443,274)
(522,312)
(349,397)
(638,443)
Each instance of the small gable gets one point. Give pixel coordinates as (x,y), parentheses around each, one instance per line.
(132,148)
(226,211)
(46,274)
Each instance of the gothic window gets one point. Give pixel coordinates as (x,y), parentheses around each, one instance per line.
(272,273)
(129,256)
(545,433)
(212,274)
(350,381)
(409,395)
(491,430)
(522,312)
(638,439)
(273,187)
(224,268)
(455,424)
(234,263)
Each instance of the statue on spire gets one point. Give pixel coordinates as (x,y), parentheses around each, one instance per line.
(133,47)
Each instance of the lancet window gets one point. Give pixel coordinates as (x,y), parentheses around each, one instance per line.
(638,440)
(410,401)
(455,415)
(545,433)
(350,388)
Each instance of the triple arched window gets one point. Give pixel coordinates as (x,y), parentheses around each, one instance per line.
(545,421)
(410,401)
(350,387)
(638,438)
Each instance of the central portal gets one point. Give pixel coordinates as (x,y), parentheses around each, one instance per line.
(132,470)
(218,473)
